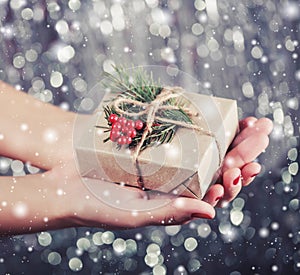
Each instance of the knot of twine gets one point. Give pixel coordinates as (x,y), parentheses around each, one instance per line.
(150,109)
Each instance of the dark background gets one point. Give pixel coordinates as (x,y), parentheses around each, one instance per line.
(252,42)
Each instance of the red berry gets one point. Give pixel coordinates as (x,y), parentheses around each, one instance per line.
(113,118)
(122,121)
(133,133)
(114,135)
(127,131)
(117,126)
(129,140)
(130,123)
(139,124)
(122,140)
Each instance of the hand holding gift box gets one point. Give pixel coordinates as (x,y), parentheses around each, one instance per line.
(177,147)
(65,201)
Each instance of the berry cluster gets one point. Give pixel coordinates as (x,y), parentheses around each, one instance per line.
(123,130)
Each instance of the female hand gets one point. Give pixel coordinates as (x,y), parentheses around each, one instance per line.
(239,168)
(115,206)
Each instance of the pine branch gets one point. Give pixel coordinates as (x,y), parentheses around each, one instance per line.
(141,87)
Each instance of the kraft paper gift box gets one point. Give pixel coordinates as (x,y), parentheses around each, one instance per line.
(186,166)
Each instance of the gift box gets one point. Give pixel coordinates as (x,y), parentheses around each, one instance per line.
(186,163)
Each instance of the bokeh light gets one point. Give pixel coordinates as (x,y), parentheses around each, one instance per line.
(246,50)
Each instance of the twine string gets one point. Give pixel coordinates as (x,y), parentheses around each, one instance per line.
(151,109)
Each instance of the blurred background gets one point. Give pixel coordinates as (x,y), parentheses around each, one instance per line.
(247,50)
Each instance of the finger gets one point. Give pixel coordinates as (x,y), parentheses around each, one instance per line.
(174,211)
(246,122)
(245,152)
(214,194)
(263,126)
(232,185)
(113,194)
(249,172)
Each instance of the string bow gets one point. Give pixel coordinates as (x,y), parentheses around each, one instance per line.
(151,109)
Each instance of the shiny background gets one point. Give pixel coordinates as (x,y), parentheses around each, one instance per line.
(247,50)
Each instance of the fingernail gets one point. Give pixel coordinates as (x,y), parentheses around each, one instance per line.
(254,175)
(201,216)
(236,181)
(218,198)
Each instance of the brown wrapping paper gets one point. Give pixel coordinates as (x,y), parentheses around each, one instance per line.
(187,166)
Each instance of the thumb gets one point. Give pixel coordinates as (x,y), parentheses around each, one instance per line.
(174,211)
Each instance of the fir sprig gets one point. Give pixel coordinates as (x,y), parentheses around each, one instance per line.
(140,86)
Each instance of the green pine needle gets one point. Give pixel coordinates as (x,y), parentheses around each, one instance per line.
(143,88)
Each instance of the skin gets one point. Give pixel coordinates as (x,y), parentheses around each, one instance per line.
(42,135)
